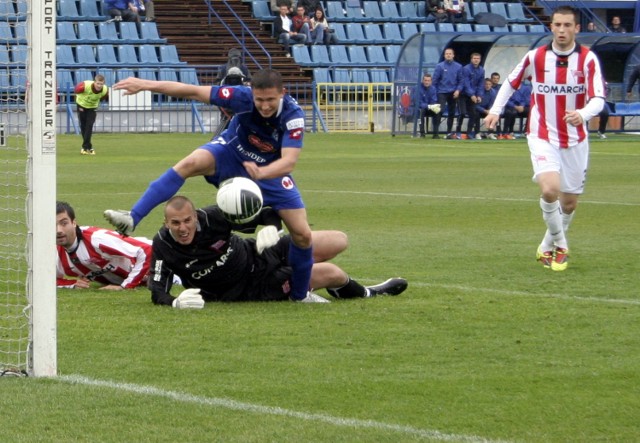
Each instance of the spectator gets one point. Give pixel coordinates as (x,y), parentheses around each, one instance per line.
(99,255)
(319,25)
(310,6)
(517,107)
(455,11)
(482,108)
(472,80)
(446,79)
(145,8)
(591,27)
(427,98)
(234,60)
(238,269)
(122,10)
(301,24)
(435,11)
(89,94)
(635,75)
(283,31)
(616,26)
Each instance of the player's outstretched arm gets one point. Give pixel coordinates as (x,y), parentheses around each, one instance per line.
(134,85)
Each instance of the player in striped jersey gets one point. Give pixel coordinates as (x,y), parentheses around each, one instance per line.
(99,255)
(567,91)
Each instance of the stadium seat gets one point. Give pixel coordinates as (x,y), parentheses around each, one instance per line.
(498,8)
(301,55)
(18,80)
(481,28)
(431,55)
(376,55)
(335,12)
(83,74)
(149,33)
(378,76)
(127,55)
(64,55)
(409,29)
(463,27)
(373,34)
(355,13)
(5,80)
(21,9)
(261,10)
(18,54)
(129,32)
(428,27)
(108,74)
(516,13)
(148,55)
(357,55)
(147,74)
(108,32)
(393,53)
(6,35)
(339,56)
(67,10)
(322,75)
(167,74)
(64,80)
(20,31)
(360,76)
(121,74)
(189,76)
(89,10)
(87,34)
(85,55)
(537,28)
(390,11)
(341,75)
(392,33)
(106,55)
(500,29)
(169,54)
(4,55)
(518,27)
(479,7)
(355,34)
(446,27)
(409,11)
(372,11)
(320,55)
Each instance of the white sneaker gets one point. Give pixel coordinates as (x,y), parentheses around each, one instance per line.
(122,220)
(478,136)
(601,135)
(492,136)
(313,298)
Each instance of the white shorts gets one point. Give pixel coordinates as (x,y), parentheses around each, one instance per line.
(570,163)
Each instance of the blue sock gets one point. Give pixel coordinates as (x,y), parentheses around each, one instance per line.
(301,261)
(159,191)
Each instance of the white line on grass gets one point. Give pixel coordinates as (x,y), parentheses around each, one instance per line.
(462,288)
(227,403)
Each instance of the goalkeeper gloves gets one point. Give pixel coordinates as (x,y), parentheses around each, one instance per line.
(267,237)
(189,299)
(434,108)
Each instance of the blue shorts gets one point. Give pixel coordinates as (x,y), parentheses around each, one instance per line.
(278,193)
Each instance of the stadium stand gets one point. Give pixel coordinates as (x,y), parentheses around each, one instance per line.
(89,10)
(516,13)
(373,34)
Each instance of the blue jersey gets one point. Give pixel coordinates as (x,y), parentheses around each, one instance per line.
(251,137)
(472,80)
(446,77)
(426,96)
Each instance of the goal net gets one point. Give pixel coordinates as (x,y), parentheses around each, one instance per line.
(27,195)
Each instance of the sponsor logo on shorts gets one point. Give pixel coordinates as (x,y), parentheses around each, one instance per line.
(287,183)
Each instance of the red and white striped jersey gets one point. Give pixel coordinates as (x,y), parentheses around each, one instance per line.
(106,257)
(560,83)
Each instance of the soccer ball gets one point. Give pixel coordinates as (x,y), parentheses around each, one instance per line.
(239,199)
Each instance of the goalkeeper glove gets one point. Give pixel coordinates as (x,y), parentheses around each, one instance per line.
(267,237)
(189,299)
(434,108)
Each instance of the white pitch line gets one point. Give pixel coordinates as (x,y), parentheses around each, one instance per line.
(234,405)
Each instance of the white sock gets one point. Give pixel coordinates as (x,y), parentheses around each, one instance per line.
(566,221)
(551,214)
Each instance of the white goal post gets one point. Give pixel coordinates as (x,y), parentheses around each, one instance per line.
(28,320)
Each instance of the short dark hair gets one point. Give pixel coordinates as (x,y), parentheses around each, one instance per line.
(266,79)
(65,207)
(567,10)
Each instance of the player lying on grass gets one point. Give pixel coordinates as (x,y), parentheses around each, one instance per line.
(99,255)
(216,265)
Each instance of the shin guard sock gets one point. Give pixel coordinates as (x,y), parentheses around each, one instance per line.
(159,191)
(301,262)
(352,289)
(553,219)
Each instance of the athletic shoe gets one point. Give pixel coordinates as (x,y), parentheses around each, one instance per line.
(450,136)
(601,135)
(463,137)
(478,136)
(122,220)
(560,259)
(435,136)
(313,298)
(544,257)
(492,137)
(393,286)
(87,152)
(508,137)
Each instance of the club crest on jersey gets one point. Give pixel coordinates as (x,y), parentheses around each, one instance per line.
(260,144)
(287,183)
(225,93)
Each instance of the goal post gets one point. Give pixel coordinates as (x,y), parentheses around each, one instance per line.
(28,334)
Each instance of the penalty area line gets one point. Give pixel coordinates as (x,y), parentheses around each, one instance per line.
(234,405)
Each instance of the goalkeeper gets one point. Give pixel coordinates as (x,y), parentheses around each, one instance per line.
(216,265)
(428,103)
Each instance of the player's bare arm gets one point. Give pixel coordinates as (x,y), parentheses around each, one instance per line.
(281,167)
(134,85)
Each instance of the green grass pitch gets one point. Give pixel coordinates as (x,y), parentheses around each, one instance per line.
(485,345)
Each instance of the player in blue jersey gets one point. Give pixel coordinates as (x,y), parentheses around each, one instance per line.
(262,142)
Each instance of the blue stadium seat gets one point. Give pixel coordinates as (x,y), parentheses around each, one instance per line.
(355,34)
(89,10)
(378,76)
(18,80)
(446,27)
(169,54)
(335,12)
(85,55)
(6,35)
(372,11)
(481,28)
(21,9)
(393,52)
(518,27)
(108,74)
(392,33)
(322,75)
(500,29)
(147,74)
(339,56)
(5,80)
(408,29)
(83,74)
(129,32)
(188,75)
(4,55)
(320,55)
(538,28)
(479,7)
(67,10)
(390,11)
(516,13)
(409,11)
(360,76)
(301,55)
(18,54)
(498,8)
(376,55)
(121,74)
(108,32)
(464,27)
(87,33)
(357,55)
(167,75)
(20,31)
(106,55)
(341,75)
(261,10)
(355,13)
(64,55)
(64,80)
(341,33)
(373,34)
(148,55)
(428,27)
(127,55)
(7,9)
(431,55)
(149,33)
